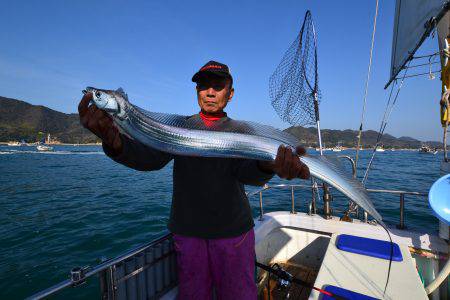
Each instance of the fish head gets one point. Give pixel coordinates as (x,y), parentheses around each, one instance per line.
(113,102)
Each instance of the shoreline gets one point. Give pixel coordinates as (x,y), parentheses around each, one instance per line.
(60,144)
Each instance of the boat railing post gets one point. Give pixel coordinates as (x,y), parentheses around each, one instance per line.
(312,204)
(402,212)
(261,211)
(292,200)
(366,217)
(327,202)
(112,283)
(352,206)
(352,161)
(105,282)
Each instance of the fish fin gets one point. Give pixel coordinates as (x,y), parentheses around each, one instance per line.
(256,129)
(166,119)
(234,126)
(122,93)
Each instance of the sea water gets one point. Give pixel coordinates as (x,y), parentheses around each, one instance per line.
(74,206)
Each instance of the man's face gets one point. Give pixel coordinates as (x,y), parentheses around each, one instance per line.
(213,93)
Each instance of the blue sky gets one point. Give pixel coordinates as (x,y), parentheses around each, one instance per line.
(51,50)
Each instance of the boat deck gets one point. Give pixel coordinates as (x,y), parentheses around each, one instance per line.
(368,275)
(311,241)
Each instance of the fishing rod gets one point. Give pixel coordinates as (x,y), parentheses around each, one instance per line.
(282,274)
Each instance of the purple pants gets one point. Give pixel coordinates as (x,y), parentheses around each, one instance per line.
(226,264)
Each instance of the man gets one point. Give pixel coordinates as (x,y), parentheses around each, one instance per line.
(210,215)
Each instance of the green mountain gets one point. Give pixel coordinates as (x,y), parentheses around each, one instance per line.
(20,120)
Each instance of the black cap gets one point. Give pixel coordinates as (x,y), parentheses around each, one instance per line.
(213,67)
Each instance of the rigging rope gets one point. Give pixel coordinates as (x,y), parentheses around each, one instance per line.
(424,73)
(367,84)
(426,56)
(387,114)
(430,63)
(425,64)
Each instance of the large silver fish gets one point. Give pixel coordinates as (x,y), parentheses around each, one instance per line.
(187,136)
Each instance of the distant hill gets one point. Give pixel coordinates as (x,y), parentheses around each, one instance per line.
(20,120)
(348,138)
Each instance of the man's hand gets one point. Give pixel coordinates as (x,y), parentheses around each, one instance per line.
(287,164)
(99,123)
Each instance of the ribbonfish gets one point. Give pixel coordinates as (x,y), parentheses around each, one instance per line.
(183,135)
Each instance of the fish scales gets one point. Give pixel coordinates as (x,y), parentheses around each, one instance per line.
(181,135)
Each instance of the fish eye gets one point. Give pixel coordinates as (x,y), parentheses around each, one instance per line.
(97,94)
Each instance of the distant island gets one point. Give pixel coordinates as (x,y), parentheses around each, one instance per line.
(20,120)
(348,139)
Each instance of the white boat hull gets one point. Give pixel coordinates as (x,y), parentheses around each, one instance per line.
(44,148)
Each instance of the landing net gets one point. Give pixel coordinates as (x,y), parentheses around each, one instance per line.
(293,87)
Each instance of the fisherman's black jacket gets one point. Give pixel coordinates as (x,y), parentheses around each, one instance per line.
(208,199)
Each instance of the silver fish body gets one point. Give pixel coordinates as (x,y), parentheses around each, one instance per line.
(182,135)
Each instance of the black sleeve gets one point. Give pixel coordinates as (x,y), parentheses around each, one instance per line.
(248,172)
(137,156)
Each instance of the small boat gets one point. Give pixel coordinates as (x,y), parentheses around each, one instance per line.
(427,150)
(323,148)
(13,144)
(44,148)
(380,149)
(337,148)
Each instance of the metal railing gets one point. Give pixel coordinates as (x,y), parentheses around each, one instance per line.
(400,225)
(352,161)
(114,273)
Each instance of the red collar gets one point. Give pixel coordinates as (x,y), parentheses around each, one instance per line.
(209,119)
